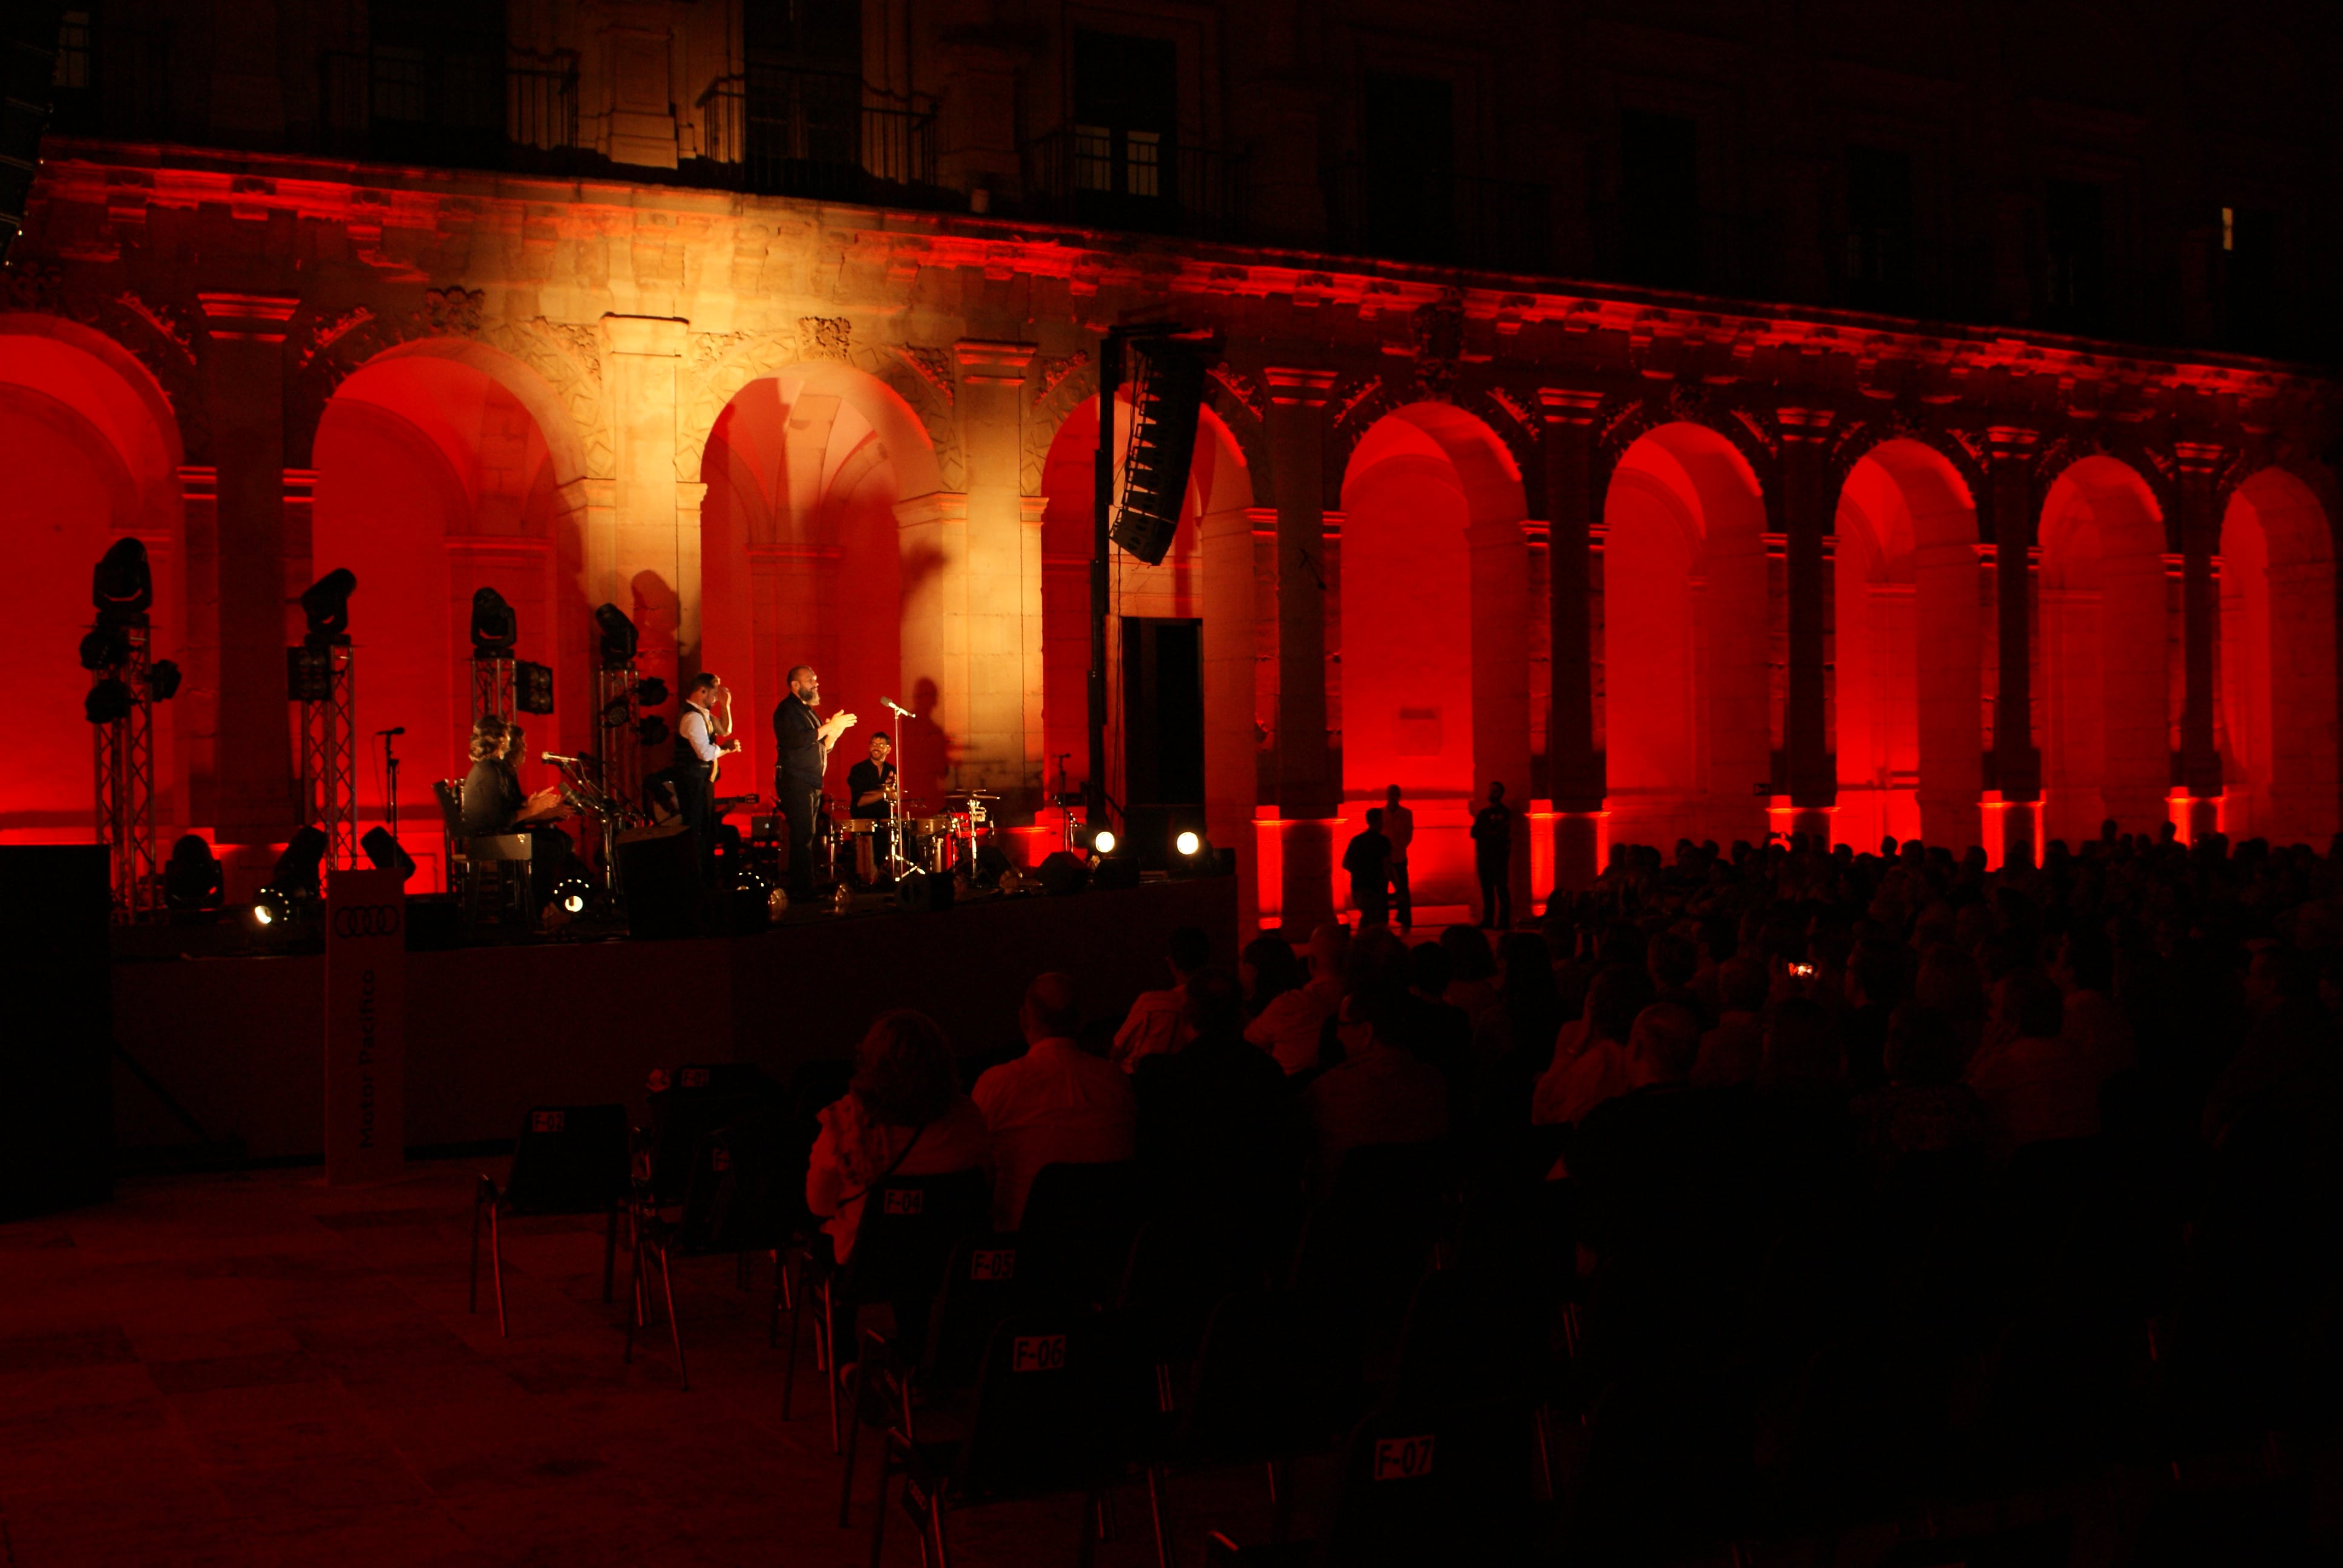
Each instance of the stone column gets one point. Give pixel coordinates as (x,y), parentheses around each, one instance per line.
(254,795)
(2015,798)
(196,722)
(1034,663)
(990,753)
(932,530)
(1574,769)
(1308,795)
(1231,781)
(2200,607)
(1501,677)
(1811,774)
(638,561)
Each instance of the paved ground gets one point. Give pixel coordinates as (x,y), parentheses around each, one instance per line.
(256,1370)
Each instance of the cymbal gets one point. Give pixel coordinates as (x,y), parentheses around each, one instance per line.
(973,795)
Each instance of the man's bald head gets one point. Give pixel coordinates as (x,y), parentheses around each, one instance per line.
(1050,1011)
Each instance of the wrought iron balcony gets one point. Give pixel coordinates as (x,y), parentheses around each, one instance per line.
(1105,179)
(458,106)
(777,131)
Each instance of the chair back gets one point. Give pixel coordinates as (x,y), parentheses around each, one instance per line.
(500,846)
(1077,1230)
(1056,1404)
(978,1293)
(742,1193)
(449,793)
(1447,1486)
(1263,1385)
(699,1099)
(1471,1335)
(908,1228)
(568,1159)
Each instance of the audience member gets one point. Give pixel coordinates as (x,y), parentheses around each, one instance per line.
(1591,1061)
(1733,1051)
(1214,1126)
(1378,1093)
(2035,1085)
(1924,1108)
(1157,1022)
(904,1115)
(1367,858)
(1056,1104)
(1286,1013)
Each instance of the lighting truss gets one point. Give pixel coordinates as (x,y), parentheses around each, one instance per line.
(124,753)
(329,782)
(492,688)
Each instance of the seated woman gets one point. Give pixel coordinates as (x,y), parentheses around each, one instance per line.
(904,1115)
(493,804)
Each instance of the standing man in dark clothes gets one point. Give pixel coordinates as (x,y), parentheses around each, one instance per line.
(1493,857)
(804,742)
(1368,859)
(1399,827)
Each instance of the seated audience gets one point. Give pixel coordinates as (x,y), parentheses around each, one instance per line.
(1732,1051)
(1284,1013)
(2035,1085)
(1924,1108)
(1055,1104)
(1156,1023)
(904,1115)
(1378,1093)
(1591,1061)
(1215,1117)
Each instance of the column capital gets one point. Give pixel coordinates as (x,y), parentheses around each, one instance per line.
(2010,443)
(248,317)
(2198,459)
(1802,426)
(1569,405)
(987,362)
(1298,385)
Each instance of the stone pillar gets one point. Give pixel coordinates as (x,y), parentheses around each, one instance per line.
(639,560)
(932,531)
(196,722)
(1499,582)
(1033,660)
(254,795)
(2016,792)
(2200,607)
(1574,769)
(990,749)
(1811,774)
(1230,780)
(1307,792)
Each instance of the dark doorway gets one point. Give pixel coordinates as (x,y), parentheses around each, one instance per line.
(1163,732)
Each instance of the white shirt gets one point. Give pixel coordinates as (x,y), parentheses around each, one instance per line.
(693,727)
(1056,1103)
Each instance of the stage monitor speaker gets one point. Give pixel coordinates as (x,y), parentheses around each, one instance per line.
(533,687)
(57,1110)
(660,874)
(1062,873)
(386,853)
(918,891)
(1115,873)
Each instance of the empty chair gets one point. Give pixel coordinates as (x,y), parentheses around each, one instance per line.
(699,1099)
(1076,1233)
(741,1197)
(1054,1411)
(568,1160)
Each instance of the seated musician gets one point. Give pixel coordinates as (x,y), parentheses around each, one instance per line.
(870,790)
(495,804)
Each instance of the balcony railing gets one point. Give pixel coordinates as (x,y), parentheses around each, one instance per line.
(1200,192)
(814,133)
(460,107)
(1466,220)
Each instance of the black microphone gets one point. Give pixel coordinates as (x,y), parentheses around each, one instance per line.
(395,730)
(555,757)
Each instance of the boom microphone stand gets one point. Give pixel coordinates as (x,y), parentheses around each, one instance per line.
(895,823)
(390,772)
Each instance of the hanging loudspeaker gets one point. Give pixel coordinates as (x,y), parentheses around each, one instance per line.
(1166,405)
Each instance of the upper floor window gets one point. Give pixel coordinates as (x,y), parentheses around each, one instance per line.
(1878,226)
(1126,115)
(1407,173)
(1659,198)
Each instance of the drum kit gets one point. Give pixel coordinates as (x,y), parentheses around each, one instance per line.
(942,845)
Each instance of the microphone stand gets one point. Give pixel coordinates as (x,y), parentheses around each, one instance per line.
(897,825)
(390,767)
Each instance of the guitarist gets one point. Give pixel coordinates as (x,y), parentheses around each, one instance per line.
(702,738)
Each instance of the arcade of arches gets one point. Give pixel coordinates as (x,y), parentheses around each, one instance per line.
(1666,571)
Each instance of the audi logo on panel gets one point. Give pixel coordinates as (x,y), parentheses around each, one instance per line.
(366,921)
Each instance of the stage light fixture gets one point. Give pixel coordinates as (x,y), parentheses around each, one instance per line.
(533,687)
(297,869)
(651,691)
(494,626)
(387,852)
(1166,402)
(308,675)
(326,604)
(108,701)
(105,647)
(652,730)
(1095,839)
(162,678)
(122,586)
(620,710)
(1188,843)
(573,895)
(618,637)
(272,906)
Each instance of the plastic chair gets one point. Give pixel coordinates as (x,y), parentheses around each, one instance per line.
(908,1228)
(1055,1408)
(1076,1233)
(568,1160)
(742,1199)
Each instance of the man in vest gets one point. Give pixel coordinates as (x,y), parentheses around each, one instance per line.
(702,736)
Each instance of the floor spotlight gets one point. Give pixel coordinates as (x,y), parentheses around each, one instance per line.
(271,907)
(1188,843)
(1096,838)
(297,867)
(573,895)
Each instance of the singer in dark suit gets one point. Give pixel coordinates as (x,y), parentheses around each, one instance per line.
(803,741)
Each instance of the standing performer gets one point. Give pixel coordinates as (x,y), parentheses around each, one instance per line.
(702,737)
(804,743)
(870,788)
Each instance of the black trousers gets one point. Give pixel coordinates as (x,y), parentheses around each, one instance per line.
(695,801)
(1497,895)
(797,804)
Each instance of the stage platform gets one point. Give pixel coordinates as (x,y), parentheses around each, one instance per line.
(491,1031)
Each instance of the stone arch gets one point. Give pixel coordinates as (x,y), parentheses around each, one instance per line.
(93,456)
(2109,665)
(1689,703)
(915,414)
(804,553)
(2276,695)
(1435,645)
(1908,649)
